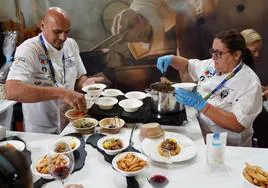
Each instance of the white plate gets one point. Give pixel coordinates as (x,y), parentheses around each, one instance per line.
(101,86)
(189,86)
(112,92)
(135,95)
(70,140)
(124,173)
(19,145)
(188,149)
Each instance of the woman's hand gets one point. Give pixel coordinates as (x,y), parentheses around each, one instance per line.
(164,62)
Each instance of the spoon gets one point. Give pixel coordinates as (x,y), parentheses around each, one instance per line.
(131,134)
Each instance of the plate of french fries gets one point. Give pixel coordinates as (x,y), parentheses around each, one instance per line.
(40,168)
(255,176)
(130,163)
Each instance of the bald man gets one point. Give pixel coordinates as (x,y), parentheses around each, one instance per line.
(46,70)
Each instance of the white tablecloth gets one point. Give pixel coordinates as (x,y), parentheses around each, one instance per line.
(194,173)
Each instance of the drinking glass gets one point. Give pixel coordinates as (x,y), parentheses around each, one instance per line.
(60,160)
(157,175)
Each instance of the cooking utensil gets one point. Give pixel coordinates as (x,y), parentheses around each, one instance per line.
(163,98)
(131,134)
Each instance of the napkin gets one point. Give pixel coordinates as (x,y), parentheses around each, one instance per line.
(93,140)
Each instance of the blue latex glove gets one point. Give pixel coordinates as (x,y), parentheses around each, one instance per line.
(164,62)
(193,99)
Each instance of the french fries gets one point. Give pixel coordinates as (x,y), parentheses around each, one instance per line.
(42,165)
(131,163)
(256,175)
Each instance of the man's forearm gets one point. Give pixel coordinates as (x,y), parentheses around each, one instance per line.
(79,82)
(26,93)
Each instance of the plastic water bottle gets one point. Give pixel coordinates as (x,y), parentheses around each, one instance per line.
(215,150)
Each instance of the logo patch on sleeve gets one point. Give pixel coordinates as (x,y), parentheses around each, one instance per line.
(42,59)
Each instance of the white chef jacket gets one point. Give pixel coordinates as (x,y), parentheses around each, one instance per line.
(241,95)
(31,66)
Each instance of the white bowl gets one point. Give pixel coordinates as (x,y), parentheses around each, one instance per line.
(135,95)
(112,92)
(130,105)
(124,141)
(127,173)
(74,114)
(35,172)
(189,86)
(73,142)
(106,122)
(83,125)
(97,85)
(106,103)
(19,145)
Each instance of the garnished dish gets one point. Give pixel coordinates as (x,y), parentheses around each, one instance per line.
(19,145)
(130,163)
(84,123)
(60,144)
(112,144)
(169,145)
(74,114)
(93,88)
(111,125)
(256,175)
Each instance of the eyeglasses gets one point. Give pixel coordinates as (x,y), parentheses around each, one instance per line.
(217,53)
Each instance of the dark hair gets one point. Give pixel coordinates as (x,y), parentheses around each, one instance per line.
(18,161)
(234,41)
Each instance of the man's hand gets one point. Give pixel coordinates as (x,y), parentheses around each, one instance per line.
(164,62)
(138,28)
(92,80)
(74,99)
(193,99)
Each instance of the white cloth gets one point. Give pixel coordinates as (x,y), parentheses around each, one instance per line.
(30,66)
(241,95)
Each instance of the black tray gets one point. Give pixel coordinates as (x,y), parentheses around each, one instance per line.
(93,140)
(79,156)
(143,115)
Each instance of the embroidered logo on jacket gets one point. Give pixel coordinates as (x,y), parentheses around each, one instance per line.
(42,59)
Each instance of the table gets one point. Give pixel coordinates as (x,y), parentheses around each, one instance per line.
(6,113)
(193,173)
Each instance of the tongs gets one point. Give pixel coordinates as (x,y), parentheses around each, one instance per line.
(110,41)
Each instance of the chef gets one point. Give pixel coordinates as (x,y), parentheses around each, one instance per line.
(229,94)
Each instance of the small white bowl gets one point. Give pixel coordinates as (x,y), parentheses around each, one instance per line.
(18,145)
(97,85)
(112,92)
(127,173)
(83,125)
(189,86)
(73,142)
(130,105)
(124,141)
(115,121)
(106,103)
(136,95)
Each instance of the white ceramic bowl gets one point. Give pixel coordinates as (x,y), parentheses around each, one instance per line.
(19,145)
(35,172)
(97,85)
(124,141)
(74,114)
(125,173)
(73,142)
(106,122)
(130,105)
(136,95)
(85,125)
(106,103)
(187,86)
(112,92)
